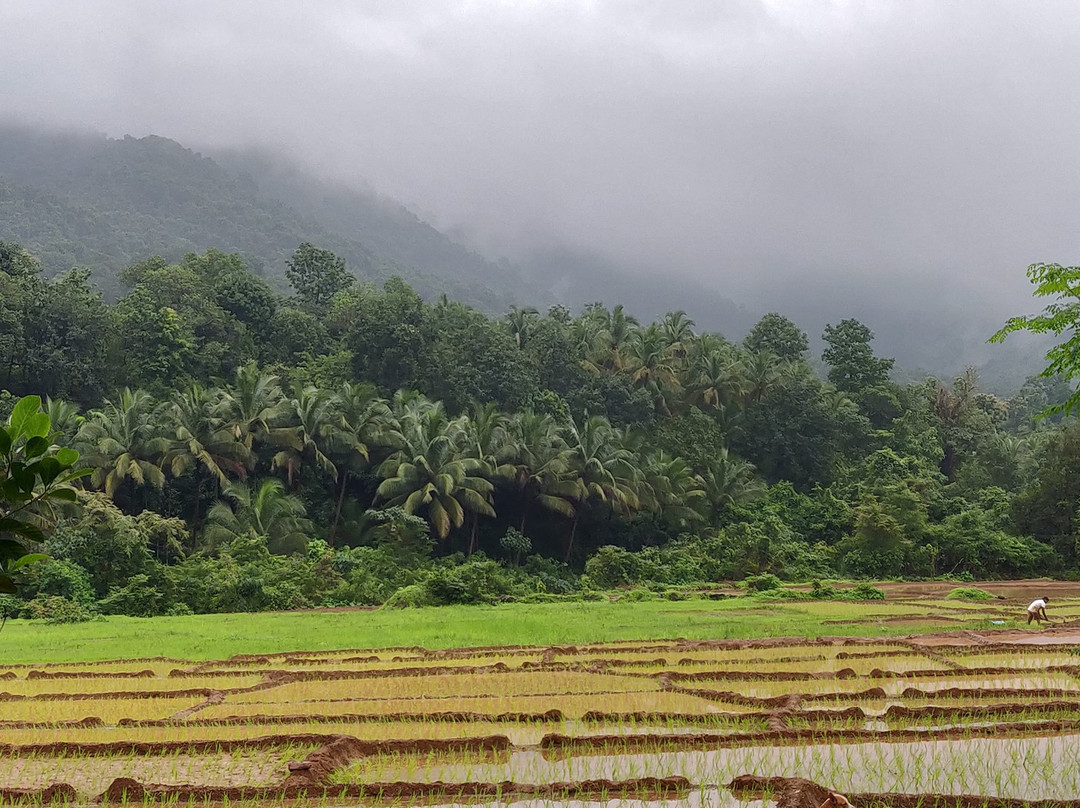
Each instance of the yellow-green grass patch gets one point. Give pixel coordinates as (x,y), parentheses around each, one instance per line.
(573,706)
(35,687)
(108,710)
(526,683)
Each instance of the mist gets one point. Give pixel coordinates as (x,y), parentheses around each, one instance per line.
(815,157)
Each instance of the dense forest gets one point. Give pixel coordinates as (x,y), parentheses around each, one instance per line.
(353,444)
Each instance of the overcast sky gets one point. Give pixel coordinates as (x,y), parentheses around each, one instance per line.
(927,148)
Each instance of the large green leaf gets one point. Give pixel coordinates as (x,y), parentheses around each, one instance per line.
(67,457)
(35,447)
(25,408)
(26,560)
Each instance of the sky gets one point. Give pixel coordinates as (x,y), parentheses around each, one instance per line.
(911,155)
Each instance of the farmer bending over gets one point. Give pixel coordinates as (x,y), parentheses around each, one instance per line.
(1037,611)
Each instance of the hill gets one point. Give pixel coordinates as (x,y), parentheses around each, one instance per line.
(88,200)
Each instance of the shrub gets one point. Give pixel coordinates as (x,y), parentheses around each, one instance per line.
(969,593)
(137,598)
(54,610)
(611,567)
(765,582)
(64,579)
(409,597)
(864,591)
(821,590)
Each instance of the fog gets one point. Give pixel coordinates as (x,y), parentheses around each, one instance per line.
(902,155)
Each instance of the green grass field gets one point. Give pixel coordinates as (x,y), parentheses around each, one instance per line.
(220,636)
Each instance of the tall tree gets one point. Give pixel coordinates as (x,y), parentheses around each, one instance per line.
(776,334)
(853,367)
(123,442)
(317,275)
(432,474)
(366,424)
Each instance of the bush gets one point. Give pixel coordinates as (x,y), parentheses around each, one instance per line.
(610,567)
(179,610)
(54,610)
(478,580)
(821,590)
(137,598)
(64,579)
(864,591)
(969,593)
(409,597)
(766,582)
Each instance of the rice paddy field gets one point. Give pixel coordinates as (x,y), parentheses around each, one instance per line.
(965,718)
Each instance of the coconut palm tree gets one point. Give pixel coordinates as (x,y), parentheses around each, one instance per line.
(201,440)
(678,332)
(602,467)
(729,481)
(270,514)
(65,419)
(123,442)
(251,403)
(534,463)
(365,423)
(717,379)
(670,488)
(432,473)
(653,367)
(307,426)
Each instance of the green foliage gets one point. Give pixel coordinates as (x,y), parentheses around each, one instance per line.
(56,610)
(766,582)
(863,591)
(35,477)
(359,442)
(1059,283)
(317,275)
(777,335)
(969,593)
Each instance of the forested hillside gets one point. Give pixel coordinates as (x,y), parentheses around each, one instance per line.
(352,443)
(96,202)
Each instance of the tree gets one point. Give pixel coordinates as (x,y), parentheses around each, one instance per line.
(853,367)
(250,404)
(35,475)
(603,468)
(123,441)
(776,334)
(202,442)
(432,474)
(1058,318)
(308,433)
(317,275)
(366,422)
(270,515)
(534,462)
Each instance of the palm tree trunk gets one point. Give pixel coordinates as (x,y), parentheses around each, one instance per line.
(570,544)
(472,536)
(337,510)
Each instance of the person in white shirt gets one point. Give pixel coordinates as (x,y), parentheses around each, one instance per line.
(1037,610)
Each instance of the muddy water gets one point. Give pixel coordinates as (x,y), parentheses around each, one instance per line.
(1028,768)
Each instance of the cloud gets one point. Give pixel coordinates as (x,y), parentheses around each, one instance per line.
(900,150)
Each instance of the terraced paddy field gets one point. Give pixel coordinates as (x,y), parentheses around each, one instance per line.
(967,718)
